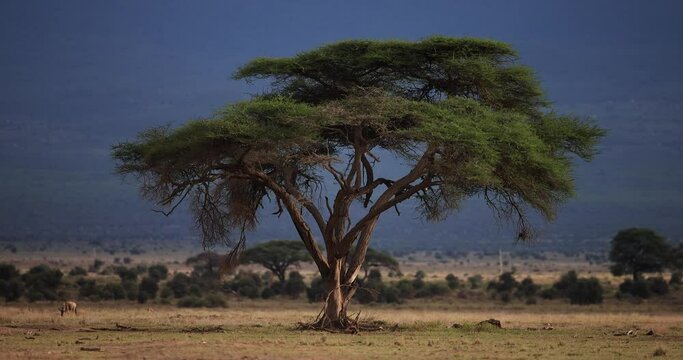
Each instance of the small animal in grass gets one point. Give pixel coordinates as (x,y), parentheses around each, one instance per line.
(68,307)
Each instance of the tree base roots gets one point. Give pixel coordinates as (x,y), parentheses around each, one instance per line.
(345,325)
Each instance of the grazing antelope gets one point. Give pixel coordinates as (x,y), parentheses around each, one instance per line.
(69,306)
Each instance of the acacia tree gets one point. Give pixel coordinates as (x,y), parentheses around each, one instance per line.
(462,113)
(637,250)
(376,258)
(277,256)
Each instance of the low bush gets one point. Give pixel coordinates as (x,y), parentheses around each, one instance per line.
(78,271)
(453,281)
(316,291)
(585,291)
(295,285)
(42,282)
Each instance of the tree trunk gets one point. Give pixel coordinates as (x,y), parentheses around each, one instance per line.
(336,300)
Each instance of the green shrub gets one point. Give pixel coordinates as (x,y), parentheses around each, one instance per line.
(214,300)
(130,287)
(585,291)
(638,288)
(191,301)
(453,281)
(158,272)
(316,292)
(111,291)
(475,281)
(527,289)
(12,289)
(658,286)
(78,271)
(247,284)
(42,282)
(406,289)
(180,285)
(566,282)
(295,285)
(126,274)
(166,292)
(8,272)
(432,289)
(392,295)
(87,289)
(147,290)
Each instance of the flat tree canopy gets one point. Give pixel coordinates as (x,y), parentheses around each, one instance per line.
(637,250)
(467,118)
(277,256)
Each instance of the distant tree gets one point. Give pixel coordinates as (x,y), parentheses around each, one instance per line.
(8,271)
(636,251)
(295,285)
(462,114)
(78,271)
(42,282)
(126,274)
(277,256)
(375,258)
(11,285)
(147,289)
(585,292)
(452,281)
(206,271)
(180,285)
(158,272)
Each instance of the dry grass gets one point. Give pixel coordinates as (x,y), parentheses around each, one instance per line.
(264,330)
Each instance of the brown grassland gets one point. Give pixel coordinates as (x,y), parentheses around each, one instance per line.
(264,329)
(416,329)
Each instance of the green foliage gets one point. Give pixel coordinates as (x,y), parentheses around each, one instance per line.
(636,251)
(277,256)
(475,281)
(507,286)
(581,291)
(158,272)
(126,274)
(206,271)
(147,290)
(643,288)
(111,291)
(11,285)
(180,285)
(42,282)
(78,271)
(371,289)
(8,272)
(295,285)
(247,284)
(209,301)
(12,289)
(131,289)
(527,289)
(585,292)
(316,291)
(453,281)
(376,258)
(466,101)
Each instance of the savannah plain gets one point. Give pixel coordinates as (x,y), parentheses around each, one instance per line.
(417,328)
